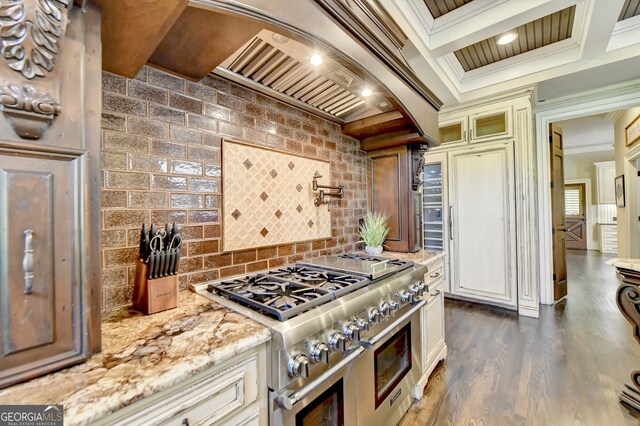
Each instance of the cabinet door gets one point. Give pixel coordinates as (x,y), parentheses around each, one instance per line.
(490,125)
(389,192)
(482,200)
(606,182)
(40,321)
(453,132)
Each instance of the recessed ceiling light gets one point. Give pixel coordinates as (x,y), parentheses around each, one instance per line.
(383,104)
(507,38)
(366,92)
(316,59)
(279,38)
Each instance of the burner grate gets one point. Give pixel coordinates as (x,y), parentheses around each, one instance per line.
(271,295)
(336,282)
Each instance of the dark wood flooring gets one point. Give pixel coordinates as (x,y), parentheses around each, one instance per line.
(564,369)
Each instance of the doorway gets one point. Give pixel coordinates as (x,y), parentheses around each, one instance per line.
(601,100)
(575,215)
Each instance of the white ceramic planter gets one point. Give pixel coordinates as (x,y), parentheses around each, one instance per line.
(373,251)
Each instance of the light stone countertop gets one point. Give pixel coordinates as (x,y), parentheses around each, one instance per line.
(632,264)
(423,256)
(142,355)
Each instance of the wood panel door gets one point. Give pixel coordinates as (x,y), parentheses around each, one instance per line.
(575,216)
(40,318)
(483,224)
(390,192)
(557,213)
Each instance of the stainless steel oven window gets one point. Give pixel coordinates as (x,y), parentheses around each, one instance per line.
(326,410)
(392,361)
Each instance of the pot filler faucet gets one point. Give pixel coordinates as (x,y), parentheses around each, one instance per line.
(338,191)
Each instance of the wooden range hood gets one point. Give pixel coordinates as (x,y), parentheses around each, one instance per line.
(190,40)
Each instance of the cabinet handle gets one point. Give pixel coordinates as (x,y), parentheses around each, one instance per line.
(464,136)
(435,294)
(185,421)
(470,134)
(436,275)
(451,223)
(28,261)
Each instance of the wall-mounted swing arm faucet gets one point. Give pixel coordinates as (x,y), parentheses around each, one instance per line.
(338,191)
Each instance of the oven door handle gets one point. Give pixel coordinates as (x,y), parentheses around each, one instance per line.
(375,339)
(288,399)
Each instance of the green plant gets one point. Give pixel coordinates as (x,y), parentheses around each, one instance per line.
(375,228)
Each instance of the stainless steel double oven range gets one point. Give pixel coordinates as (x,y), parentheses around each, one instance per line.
(345,346)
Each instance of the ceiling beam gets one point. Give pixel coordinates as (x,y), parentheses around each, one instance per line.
(601,22)
(132,29)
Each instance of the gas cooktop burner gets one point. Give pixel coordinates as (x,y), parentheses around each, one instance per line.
(288,291)
(271,295)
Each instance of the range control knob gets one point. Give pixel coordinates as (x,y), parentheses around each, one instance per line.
(362,324)
(298,366)
(394,306)
(352,331)
(406,296)
(417,289)
(320,353)
(374,315)
(385,309)
(337,341)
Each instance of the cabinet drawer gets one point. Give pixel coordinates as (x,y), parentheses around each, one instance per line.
(434,290)
(205,401)
(434,274)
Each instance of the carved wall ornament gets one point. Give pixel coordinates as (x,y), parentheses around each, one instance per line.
(30,32)
(30,111)
(31,36)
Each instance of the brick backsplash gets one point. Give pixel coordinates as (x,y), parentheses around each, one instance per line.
(161,139)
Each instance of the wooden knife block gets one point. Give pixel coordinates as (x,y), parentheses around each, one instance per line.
(151,296)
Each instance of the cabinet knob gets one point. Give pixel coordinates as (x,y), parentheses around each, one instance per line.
(185,421)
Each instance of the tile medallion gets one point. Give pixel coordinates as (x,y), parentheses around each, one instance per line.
(274,211)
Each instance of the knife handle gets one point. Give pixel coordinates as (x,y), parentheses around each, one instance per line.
(28,261)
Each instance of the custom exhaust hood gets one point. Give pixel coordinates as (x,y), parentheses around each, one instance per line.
(362,82)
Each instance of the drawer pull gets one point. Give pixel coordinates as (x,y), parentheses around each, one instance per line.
(436,275)
(28,261)
(185,421)
(435,294)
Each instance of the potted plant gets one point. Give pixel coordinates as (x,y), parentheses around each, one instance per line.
(373,231)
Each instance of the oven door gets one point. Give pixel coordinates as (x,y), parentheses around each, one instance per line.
(329,400)
(388,370)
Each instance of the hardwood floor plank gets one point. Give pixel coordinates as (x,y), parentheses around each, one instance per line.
(566,368)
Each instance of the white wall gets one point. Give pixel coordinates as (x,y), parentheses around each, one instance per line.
(628,238)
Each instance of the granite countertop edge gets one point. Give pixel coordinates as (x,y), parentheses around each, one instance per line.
(141,356)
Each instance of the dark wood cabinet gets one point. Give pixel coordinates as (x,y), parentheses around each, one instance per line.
(50,207)
(41,321)
(392,178)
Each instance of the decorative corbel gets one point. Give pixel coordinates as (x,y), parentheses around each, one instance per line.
(31,35)
(417,164)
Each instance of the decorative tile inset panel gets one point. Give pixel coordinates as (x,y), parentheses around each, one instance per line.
(275,197)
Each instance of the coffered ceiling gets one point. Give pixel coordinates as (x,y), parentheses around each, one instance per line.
(453,43)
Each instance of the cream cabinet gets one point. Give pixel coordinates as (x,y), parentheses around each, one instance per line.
(477,125)
(434,347)
(609,238)
(605,182)
(232,393)
(487,163)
